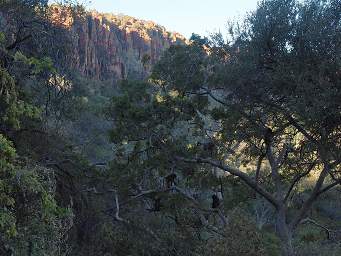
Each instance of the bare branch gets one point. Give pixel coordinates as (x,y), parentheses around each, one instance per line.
(117,213)
(194,201)
(292,121)
(259,166)
(273,161)
(236,108)
(297,179)
(334,177)
(313,196)
(328,231)
(329,187)
(283,155)
(180,191)
(118,218)
(236,172)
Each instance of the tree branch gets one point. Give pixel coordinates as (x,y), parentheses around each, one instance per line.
(314,194)
(297,179)
(119,219)
(259,165)
(117,213)
(291,120)
(236,172)
(330,186)
(194,201)
(328,231)
(273,162)
(17,42)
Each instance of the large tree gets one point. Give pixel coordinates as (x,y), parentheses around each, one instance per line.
(269,98)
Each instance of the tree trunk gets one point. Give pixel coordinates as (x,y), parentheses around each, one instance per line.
(284,233)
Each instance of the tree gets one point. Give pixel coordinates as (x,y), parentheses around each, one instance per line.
(31,218)
(267,99)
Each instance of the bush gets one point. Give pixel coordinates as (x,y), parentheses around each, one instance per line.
(319,249)
(240,238)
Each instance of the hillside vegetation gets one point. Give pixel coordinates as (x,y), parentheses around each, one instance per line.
(210,146)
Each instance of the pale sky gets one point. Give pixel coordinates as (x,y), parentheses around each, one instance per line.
(183,16)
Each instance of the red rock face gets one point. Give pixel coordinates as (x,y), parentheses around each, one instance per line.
(107,46)
(116,47)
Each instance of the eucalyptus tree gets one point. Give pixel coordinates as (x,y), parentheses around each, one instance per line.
(268,99)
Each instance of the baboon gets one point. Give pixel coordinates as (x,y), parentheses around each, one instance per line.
(207,147)
(215,201)
(170,180)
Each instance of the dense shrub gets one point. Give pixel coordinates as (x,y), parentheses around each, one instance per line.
(240,237)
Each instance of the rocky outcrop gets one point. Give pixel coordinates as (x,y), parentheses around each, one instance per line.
(108,46)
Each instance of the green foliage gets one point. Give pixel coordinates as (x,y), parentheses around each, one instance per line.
(207,103)
(7,201)
(33,187)
(319,249)
(44,64)
(311,235)
(240,238)
(2,38)
(253,98)
(171,70)
(12,109)
(271,243)
(197,39)
(7,156)
(31,220)
(40,224)
(7,224)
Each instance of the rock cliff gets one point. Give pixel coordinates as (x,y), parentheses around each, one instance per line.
(108,46)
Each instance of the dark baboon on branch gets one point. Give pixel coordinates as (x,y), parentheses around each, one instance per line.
(170,180)
(215,201)
(208,147)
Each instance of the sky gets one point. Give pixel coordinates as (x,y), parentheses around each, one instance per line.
(183,16)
